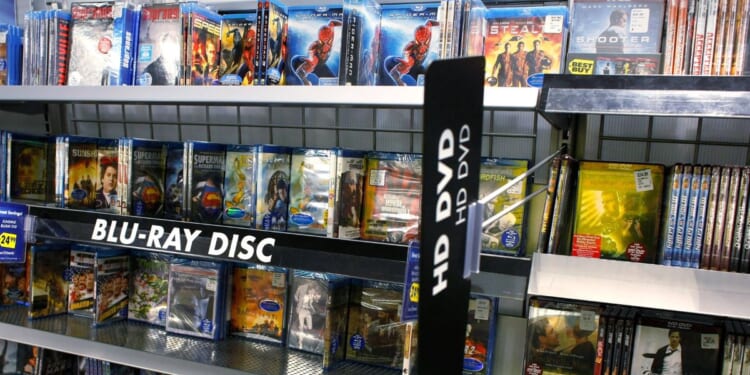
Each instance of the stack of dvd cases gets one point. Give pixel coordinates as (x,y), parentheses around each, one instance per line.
(46,41)
(11,50)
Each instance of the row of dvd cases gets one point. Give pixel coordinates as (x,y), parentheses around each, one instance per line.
(546,275)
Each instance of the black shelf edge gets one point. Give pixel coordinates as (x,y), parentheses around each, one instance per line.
(692,96)
(365,259)
(144,346)
(505,265)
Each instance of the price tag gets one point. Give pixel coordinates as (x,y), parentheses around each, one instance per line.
(12,239)
(410,300)
(588,320)
(643,180)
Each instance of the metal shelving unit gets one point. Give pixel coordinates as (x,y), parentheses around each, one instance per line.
(148,347)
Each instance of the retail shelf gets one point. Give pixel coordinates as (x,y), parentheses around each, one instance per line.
(692,96)
(645,285)
(379,96)
(364,259)
(144,346)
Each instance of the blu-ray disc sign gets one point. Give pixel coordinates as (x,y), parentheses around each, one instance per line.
(181,240)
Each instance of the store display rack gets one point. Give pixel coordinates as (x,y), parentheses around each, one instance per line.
(144,346)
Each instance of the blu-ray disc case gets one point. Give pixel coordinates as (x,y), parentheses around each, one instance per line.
(272,189)
(361,43)
(174,181)
(406,43)
(82,281)
(239,34)
(112,285)
(239,186)
(205,179)
(312,180)
(15,282)
(141,182)
(48,290)
(314,45)
(30,161)
(149,287)
(196,298)
(160,45)
(350,177)
(258,306)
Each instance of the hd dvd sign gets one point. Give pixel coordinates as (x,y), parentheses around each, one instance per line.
(453,108)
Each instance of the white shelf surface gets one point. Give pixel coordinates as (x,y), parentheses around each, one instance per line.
(645,285)
(510,98)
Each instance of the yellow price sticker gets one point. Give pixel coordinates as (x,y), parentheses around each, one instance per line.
(414,292)
(8,240)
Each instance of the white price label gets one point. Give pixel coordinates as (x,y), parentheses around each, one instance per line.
(377,177)
(278,280)
(643,180)
(211,285)
(639,20)
(588,321)
(482,309)
(709,341)
(553,24)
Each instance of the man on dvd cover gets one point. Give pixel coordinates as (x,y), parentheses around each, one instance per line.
(106,195)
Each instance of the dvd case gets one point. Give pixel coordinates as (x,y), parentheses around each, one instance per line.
(29,165)
(174,182)
(393,195)
(81,173)
(112,285)
(480,335)
(82,281)
(313,178)
(360,43)
(15,282)
(149,287)
(106,198)
(618,211)
(259,302)
(202,45)
(143,192)
(315,34)
(561,337)
(276,29)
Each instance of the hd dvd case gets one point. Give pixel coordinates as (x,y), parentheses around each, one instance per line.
(315,34)
(506,235)
(480,335)
(258,307)
(312,180)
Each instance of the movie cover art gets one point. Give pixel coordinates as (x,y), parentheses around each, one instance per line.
(15,283)
(523,43)
(314,45)
(194,307)
(239,186)
(82,173)
(561,338)
(622,26)
(334,337)
(376,333)
(90,43)
(259,302)
(238,45)
(480,335)
(613,64)
(81,285)
(406,47)
(313,173)
(107,167)
(659,337)
(112,285)
(147,177)
(53,362)
(202,60)
(206,181)
(361,43)
(28,168)
(49,290)
(505,235)
(350,178)
(272,189)
(174,182)
(393,195)
(149,287)
(308,297)
(159,45)
(617,211)
(276,42)
(18,358)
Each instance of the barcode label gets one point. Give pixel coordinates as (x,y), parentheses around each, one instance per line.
(643,180)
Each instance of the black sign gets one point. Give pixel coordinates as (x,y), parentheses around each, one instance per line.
(453,108)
